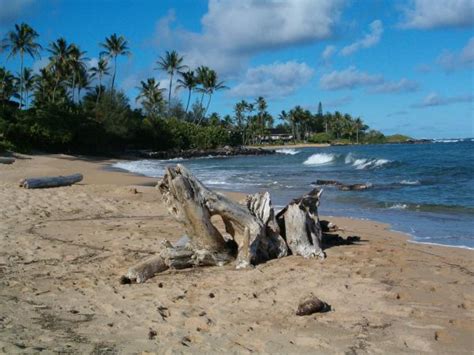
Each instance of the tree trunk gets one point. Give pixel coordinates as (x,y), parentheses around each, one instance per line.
(169,93)
(53,181)
(21,78)
(113,76)
(208,103)
(189,100)
(253,234)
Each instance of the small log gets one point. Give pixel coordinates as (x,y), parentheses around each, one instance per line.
(53,181)
(7,160)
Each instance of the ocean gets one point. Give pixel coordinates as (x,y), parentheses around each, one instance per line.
(424,190)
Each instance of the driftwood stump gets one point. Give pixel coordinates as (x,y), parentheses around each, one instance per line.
(253,232)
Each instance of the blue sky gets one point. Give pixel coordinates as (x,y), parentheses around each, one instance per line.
(403,66)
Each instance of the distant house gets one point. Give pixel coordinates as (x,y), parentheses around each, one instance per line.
(276,135)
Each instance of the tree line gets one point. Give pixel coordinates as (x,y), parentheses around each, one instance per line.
(67,106)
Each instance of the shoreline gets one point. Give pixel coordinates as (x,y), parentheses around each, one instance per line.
(291,146)
(63,250)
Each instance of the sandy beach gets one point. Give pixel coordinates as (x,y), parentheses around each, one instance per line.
(63,250)
(291,145)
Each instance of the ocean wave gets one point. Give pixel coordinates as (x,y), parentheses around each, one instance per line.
(349,158)
(410,182)
(151,168)
(288,151)
(449,140)
(369,163)
(320,159)
(398,206)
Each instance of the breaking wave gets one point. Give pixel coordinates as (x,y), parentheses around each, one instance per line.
(288,151)
(369,163)
(320,159)
(410,182)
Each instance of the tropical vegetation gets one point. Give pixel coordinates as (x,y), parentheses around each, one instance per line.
(73,104)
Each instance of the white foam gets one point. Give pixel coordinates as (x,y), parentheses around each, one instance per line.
(410,182)
(151,168)
(349,158)
(319,159)
(447,140)
(398,206)
(369,163)
(288,151)
(441,245)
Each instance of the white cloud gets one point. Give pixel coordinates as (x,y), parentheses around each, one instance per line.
(349,78)
(429,14)
(369,40)
(12,9)
(232,31)
(352,78)
(274,80)
(435,99)
(453,61)
(328,52)
(403,85)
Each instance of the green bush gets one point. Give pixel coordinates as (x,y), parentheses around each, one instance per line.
(397,138)
(320,138)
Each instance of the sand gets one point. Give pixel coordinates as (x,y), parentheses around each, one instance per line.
(63,250)
(292,146)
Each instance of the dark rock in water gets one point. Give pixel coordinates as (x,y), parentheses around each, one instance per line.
(196,153)
(353,187)
(327,182)
(343,187)
(311,304)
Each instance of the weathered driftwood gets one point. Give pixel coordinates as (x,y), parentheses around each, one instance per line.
(7,160)
(299,223)
(52,181)
(253,233)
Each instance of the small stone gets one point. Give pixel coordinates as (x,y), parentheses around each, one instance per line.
(311,304)
(185,341)
(211,295)
(152,334)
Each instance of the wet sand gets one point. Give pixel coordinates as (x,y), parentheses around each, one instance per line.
(63,250)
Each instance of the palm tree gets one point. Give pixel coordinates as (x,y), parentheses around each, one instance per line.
(115,46)
(359,125)
(150,95)
(20,41)
(202,73)
(171,63)
(188,81)
(44,86)
(211,85)
(78,67)
(28,80)
(100,71)
(8,86)
(82,82)
(59,64)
